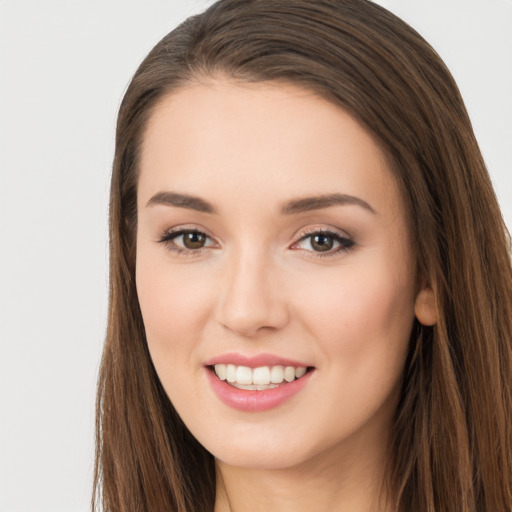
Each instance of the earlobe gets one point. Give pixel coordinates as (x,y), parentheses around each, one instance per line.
(425,307)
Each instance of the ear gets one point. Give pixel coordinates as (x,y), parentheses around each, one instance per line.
(425,307)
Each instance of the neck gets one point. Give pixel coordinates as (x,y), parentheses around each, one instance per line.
(342,479)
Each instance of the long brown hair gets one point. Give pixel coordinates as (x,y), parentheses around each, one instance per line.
(452,447)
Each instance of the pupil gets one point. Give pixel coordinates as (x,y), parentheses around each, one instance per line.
(193,240)
(322,242)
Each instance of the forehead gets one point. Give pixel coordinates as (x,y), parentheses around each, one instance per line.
(270,140)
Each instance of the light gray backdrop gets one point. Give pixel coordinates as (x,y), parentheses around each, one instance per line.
(63,69)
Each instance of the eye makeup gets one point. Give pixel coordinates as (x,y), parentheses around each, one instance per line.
(325,242)
(186,241)
(320,242)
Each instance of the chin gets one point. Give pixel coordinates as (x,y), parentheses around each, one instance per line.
(261,452)
(259,458)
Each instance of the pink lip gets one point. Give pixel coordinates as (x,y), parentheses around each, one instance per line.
(255,401)
(254,361)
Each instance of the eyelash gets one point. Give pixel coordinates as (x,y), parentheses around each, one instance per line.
(346,244)
(168,238)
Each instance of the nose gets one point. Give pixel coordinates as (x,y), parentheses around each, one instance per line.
(251,298)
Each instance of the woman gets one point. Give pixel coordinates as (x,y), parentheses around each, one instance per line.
(310,277)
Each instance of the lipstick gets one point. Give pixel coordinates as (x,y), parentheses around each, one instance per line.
(230,376)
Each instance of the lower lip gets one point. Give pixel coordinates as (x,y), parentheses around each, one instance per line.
(255,401)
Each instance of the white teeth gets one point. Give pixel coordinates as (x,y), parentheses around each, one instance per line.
(299,372)
(277,374)
(230,372)
(261,375)
(221,371)
(254,387)
(260,378)
(244,375)
(289,373)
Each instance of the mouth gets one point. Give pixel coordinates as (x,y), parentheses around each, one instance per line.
(260,378)
(258,382)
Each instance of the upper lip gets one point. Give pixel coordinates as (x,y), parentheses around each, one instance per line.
(254,361)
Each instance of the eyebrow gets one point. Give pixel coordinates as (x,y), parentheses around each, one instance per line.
(182,201)
(307,204)
(292,207)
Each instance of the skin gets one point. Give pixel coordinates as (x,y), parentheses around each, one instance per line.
(260,286)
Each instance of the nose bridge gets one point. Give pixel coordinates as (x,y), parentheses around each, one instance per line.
(251,298)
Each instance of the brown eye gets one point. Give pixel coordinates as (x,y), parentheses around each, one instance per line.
(194,239)
(190,241)
(322,242)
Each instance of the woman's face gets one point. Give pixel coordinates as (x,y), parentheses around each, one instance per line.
(272,240)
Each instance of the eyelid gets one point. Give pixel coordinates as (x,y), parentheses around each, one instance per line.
(168,236)
(346,241)
(322,228)
(187,228)
(343,239)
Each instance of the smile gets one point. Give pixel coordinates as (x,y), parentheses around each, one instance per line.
(258,383)
(260,378)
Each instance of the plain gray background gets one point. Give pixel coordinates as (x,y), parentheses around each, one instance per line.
(63,68)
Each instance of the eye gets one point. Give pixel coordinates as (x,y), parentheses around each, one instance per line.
(186,240)
(324,242)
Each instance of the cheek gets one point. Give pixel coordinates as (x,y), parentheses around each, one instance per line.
(173,307)
(362,327)
(364,315)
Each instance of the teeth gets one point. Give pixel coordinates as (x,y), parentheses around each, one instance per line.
(243,375)
(299,372)
(221,371)
(260,378)
(255,387)
(261,375)
(289,373)
(231,373)
(277,374)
